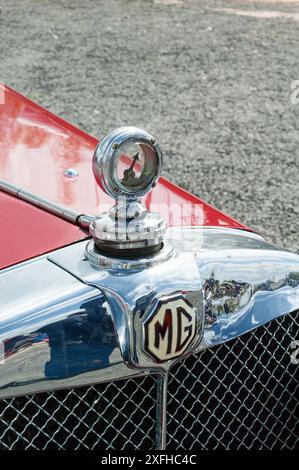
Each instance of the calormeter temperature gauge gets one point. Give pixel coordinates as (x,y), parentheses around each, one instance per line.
(126,165)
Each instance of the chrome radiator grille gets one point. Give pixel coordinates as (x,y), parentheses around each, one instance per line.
(242,394)
(120,415)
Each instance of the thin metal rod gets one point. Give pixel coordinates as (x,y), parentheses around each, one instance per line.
(162,386)
(74,217)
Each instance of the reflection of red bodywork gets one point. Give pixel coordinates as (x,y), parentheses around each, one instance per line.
(35,149)
(20,343)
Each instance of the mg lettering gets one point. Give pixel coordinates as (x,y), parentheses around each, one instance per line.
(170,329)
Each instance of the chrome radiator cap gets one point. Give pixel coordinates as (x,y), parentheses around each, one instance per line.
(127,165)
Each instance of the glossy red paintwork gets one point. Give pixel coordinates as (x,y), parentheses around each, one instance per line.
(35,149)
(27,231)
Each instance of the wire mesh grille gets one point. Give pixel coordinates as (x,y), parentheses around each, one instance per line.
(119,415)
(241,395)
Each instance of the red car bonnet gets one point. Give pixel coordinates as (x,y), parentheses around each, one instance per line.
(36,147)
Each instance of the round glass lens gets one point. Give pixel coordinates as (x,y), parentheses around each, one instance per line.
(135,166)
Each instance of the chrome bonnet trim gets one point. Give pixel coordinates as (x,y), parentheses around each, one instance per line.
(55,331)
(238,279)
(65,322)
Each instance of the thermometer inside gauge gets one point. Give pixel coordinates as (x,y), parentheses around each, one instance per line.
(135,166)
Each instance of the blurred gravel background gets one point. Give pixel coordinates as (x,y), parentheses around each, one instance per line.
(210,79)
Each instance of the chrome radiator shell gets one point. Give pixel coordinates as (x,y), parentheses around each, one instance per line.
(66,323)
(70,330)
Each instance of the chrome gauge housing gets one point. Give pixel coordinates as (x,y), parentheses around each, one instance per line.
(127,163)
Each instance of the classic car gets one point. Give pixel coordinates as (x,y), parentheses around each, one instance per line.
(133,315)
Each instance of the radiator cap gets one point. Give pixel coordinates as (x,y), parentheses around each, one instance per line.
(127,165)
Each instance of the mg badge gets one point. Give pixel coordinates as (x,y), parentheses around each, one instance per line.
(170,329)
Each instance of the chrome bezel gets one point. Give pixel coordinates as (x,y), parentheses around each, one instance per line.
(100,260)
(104,161)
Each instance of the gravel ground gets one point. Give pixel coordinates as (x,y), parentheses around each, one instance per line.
(210,79)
